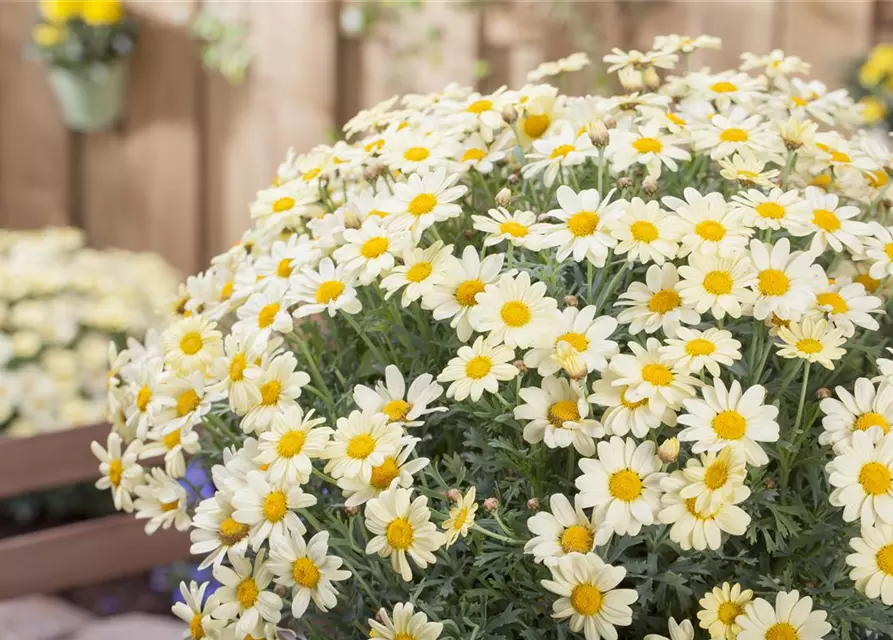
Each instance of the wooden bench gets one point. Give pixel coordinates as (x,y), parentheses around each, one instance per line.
(76,554)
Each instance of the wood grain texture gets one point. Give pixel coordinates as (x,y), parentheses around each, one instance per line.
(34,144)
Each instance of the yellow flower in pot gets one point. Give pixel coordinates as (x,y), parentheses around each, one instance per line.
(99,13)
(60,11)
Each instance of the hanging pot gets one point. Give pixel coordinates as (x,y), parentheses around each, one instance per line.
(91,99)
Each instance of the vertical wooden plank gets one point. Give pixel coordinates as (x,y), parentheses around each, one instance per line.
(34,144)
(141,184)
(828,34)
(287,100)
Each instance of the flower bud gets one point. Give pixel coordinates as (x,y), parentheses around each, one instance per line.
(570,360)
(533,504)
(668,451)
(504,197)
(624,182)
(770,483)
(491,505)
(652,80)
(509,114)
(610,122)
(631,79)
(649,186)
(571,301)
(454,495)
(823,392)
(520,366)
(513,178)
(351,511)
(279,590)
(469,234)
(372,171)
(598,133)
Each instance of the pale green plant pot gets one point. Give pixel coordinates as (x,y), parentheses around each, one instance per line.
(91,100)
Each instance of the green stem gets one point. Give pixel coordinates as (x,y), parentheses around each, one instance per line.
(496,536)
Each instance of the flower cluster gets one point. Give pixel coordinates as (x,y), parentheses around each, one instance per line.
(82,34)
(60,304)
(631,309)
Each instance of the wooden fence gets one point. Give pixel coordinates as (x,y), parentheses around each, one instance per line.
(178,174)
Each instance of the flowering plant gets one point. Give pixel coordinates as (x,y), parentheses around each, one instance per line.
(60,304)
(526,365)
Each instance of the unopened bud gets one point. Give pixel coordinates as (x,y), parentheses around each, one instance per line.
(279,590)
(454,495)
(509,114)
(520,366)
(504,197)
(652,80)
(823,392)
(513,178)
(571,301)
(770,483)
(668,451)
(468,233)
(624,182)
(792,145)
(610,122)
(351,511)
(598,133)
(649,186)
(533,504)
(491,505)
(372,171)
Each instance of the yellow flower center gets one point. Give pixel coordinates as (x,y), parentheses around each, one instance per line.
(888,250)
(269,392)
(329,291)
(825,220)
(171,440)
(576,539)
(561,151)
(871,284)
(396,410)
(374,247)
(723,87)
(422,204)
(305,572)
(577,340)
(699,347)
(840,156)
(191,343)
(631,405)
(196,630)
(275,506)
(871,419)
(116,470)
(718,283)
(833,300)
(478,367)
(473,155)
(231,532)
(169,506)
(514,229)
(291,444)
(515,314)
(711,230)
(664,301)
(643,231)
(247,593)
(361,447)
(875,478)
(583,223)
(782,631)
(877,178)
(226,291)
(535,125)
(460,519)
(716,475)
(187,402)
(416,154)
(729,425)
(563,411)
(419,271)
(734,135)
(586,599)
(283,204)
(773,282)
(625,485)
(384,474)
(648,145)
(727,612)
(479,106)
(657,374)
(466,292)
(770,210)
(400,534)
(377,213)
(672,117)
(399,636)
(823,181)
(885,559)
(143,397)
(308,175)
(237,367)
(267,315)
(283,269)
(809,345)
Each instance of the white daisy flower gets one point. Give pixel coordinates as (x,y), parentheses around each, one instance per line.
(832,224)
(776,210)
(361,442)
(328,288)
(519,228)
(786,282)
(727,88)
(692,350)
(584,333)
(648,376)
(393,400)
(737,130)
(423,200)
(412,150)
(407,624)
(215,532)
(678,631)
(279,384)
(584,225)
(873,562)
(813,341)
(846,306)
(623,416)
(396,471)
(748,169)
(879,251)
(588,595)
(369,251)
(475,153)
(715,478)
(288,448)
(144,379)
(266,311)
(719,285)
(243,595)
(720,608)
(275,268)
(184,401)
(162,501)
(866,409)
(306,568)
(558,414)
(237,372)
(646,233)
(647,144)
(192,344)
(454,296)
(792,617)
(729,417)
(421,270)
(623,484)
(862,475)
(195,610)
(708,225)
(174,447)
(478,368)
(461,517)
(269,510)
(685,44)
(656,303)
(550,154)
(567,529)
(402,528)
(514,310)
